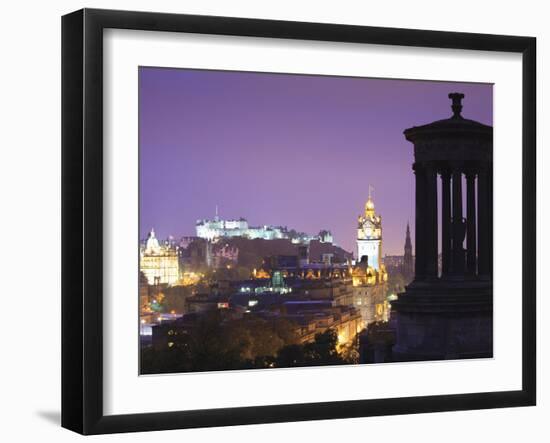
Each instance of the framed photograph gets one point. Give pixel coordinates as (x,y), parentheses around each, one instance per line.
(269,221)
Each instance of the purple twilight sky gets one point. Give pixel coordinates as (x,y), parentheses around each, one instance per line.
(291,150)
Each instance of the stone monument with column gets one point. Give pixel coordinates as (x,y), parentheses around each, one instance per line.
(447,310)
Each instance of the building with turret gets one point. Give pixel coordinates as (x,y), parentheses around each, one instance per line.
(159,263)
(369,292)
(369,274)
(217,228)
(369,236)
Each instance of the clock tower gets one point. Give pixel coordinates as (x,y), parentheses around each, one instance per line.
(369,236)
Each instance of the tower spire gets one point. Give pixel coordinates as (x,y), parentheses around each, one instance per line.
(408,243)
(408,266)
(369,205)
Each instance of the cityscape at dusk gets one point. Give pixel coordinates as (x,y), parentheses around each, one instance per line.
(280,216)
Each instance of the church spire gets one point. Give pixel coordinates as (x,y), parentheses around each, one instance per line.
(408,244)
(408,264)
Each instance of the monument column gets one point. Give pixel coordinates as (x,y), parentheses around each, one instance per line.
(431,223)
(490,219)
(445,221)
(483,228)
(420,222)
(471,256)
(458,223)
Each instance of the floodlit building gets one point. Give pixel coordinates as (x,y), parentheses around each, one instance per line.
(325,236)
(369,274)
(316,316)
(369,292)
(159,263)
(369,236)
(217,228)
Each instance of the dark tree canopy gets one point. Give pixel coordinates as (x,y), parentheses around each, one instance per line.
(249,343)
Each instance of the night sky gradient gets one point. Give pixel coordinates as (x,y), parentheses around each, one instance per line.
(291,150)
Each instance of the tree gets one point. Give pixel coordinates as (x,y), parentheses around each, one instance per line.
(290,356)
(215,342)
(322,351)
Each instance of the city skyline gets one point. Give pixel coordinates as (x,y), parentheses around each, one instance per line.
(281,149)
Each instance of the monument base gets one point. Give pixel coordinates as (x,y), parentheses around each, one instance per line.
(443,320)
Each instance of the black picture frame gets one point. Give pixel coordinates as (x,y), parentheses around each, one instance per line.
(82,218)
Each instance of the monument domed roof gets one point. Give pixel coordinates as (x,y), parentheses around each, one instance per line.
(450,127)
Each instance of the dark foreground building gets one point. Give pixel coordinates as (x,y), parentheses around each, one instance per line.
(448,313)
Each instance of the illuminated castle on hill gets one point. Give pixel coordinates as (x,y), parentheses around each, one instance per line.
(212,230)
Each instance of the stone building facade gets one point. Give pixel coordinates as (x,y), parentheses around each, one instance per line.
(159,263)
